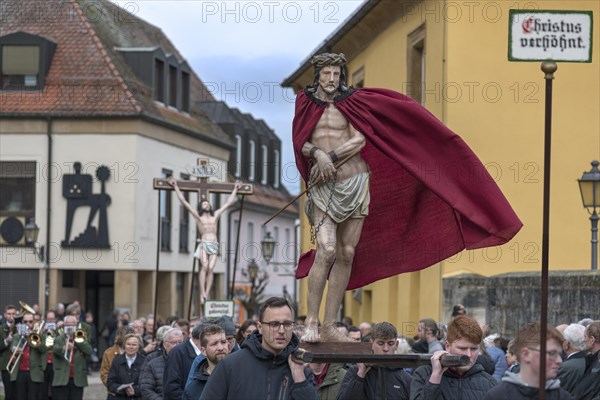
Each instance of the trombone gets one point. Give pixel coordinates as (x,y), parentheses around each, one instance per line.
(17,353)
(34,339)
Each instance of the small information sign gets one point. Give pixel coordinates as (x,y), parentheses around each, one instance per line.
(550,35)
(215,309)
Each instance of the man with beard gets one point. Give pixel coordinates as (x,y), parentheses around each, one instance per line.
(264,368)
(368,148)
(469,382)
(208,247)
(213,344)
(526,384)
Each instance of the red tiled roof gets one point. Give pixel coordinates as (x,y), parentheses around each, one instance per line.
(87,76)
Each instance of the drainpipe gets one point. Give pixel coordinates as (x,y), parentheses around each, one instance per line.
(48,212)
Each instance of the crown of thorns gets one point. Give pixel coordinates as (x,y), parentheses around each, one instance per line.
(325,59)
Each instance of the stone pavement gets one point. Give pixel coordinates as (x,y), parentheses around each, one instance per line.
(94,391)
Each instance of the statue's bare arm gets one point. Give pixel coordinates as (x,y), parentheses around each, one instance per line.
(230,200)
(182,199)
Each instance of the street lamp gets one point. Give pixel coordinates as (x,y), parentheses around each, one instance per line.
(252,269)
(589,185)
(31,237)
(268,247)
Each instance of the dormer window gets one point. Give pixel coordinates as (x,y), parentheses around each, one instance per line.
(20,67)
(25,60)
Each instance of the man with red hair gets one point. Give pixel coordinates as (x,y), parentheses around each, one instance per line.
(469,382)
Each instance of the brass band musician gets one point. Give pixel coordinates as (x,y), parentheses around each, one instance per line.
(29,355)
(72,351)
(7,331)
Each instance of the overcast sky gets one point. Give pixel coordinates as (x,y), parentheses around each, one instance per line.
(243,50)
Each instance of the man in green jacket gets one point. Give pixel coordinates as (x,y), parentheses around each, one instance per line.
(70,375)
(28,374)
(6,339)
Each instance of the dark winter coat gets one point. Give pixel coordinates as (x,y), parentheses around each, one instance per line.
(178,365)
(151,378)
(396,384)
(512,388)
(470,386)
(254,373)
(120,373)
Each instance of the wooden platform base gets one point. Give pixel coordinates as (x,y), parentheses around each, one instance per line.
(352,353)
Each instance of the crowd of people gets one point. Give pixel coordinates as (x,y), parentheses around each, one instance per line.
(217,359)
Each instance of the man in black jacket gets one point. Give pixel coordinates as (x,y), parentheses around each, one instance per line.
(178,365)
(469,382)
(264,368)
(572,369)
(364,381)
(526,384)
(589,386)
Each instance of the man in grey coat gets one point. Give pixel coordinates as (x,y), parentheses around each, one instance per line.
(151,377)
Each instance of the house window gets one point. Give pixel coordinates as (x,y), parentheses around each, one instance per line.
(159,80)
(265,165)
(20,67)
(252,164)
(358,78)
(17,200)
(416,65)
(17,188)
(238,156)
(277,171)
(172,86)
(184,222)
(185,91)
(165,215)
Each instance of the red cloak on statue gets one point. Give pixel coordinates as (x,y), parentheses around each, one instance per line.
(431,197)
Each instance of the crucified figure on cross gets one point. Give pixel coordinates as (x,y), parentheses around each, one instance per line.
(208,247)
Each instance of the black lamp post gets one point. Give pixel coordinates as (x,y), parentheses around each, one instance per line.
(589,185)
(268,247)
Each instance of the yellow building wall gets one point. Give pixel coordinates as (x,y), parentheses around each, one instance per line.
(497,107)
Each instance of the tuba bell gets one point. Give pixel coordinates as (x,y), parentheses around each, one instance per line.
(24,308)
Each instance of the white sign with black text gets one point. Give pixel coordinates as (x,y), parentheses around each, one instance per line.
(550,35)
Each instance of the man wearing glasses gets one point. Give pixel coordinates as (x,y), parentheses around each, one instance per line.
(264,367)
(526,384)
(28,375)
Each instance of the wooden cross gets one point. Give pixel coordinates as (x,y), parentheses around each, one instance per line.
(203,170)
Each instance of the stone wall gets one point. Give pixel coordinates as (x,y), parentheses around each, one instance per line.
(508,301)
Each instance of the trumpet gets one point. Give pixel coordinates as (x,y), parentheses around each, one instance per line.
(80,334)
(34,339)
(51,333)
(78,337)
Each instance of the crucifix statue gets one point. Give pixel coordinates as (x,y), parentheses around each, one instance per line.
(206,218)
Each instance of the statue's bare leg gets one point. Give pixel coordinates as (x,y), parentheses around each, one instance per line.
(348,235)
(202,269)
(212,261)
(317,277)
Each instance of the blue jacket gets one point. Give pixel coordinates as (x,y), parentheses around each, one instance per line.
(194,387)
(254,373)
